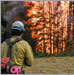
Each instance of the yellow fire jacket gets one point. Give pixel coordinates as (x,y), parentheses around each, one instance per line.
(21,53)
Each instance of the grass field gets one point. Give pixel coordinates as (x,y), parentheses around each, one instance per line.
(52,65)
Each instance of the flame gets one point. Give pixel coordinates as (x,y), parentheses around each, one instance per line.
(64,4)
(34,12)
(45,42)
(31,7)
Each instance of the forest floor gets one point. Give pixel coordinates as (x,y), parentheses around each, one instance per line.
(52,65)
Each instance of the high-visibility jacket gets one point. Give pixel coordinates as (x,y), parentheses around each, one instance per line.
(21,53)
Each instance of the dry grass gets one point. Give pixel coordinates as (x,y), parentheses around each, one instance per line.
(52,65)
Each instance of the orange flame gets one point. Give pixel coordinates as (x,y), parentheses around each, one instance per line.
(44,42)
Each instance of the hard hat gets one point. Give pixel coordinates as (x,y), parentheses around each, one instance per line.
(18,25)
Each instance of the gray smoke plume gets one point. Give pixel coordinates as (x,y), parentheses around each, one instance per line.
(9,15)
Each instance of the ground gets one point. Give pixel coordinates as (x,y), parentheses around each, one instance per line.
(52,65)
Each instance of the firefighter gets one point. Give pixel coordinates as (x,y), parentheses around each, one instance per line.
(22,54)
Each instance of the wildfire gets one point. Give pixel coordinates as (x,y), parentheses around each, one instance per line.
(34,12)
(31,6)
(48,35)
(64,4)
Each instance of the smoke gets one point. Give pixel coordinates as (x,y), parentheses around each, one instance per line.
(19,8)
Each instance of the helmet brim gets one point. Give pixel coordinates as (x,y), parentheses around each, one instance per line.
(16,29)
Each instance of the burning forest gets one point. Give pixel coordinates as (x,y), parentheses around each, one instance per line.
(51,23)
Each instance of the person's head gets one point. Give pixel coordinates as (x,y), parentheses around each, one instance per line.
(17,28)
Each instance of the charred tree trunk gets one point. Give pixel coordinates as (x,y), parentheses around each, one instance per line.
(50,25)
